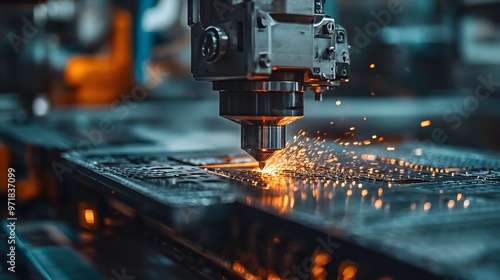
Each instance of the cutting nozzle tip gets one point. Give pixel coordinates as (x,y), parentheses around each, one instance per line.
(262,164)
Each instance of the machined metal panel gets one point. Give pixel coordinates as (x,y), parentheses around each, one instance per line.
(406,213)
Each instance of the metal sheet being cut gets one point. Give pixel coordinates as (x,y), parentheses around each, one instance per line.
(421,213)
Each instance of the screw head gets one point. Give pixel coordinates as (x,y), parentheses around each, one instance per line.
(263,22)
(329,27)
(340,36)
(318,8)
(264,61)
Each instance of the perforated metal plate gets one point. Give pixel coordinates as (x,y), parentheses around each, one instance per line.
(435,209)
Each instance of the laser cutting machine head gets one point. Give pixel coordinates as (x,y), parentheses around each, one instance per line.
(262,55)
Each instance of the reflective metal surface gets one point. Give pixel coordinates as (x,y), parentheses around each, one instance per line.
(263,86)
(434,211)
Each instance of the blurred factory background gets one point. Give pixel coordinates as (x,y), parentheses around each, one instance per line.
(87,75)
(411,61)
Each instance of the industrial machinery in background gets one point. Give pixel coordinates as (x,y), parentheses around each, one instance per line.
(71,53)
(262,56)
(57,54)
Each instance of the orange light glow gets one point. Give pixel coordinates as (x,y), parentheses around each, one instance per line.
(459,196)
(352,128)
(451,203)
(238,268)
(427,206)
(249,276)
(374,136)
(273,276)
(349,272)
(89,216)
(311,156)
(368,157)
(425,123)
(372,65)
(318,272)
(322,259)
(101,79)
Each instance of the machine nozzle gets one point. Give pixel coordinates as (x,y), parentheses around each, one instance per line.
(263,109)
(261,142)
(262,164)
